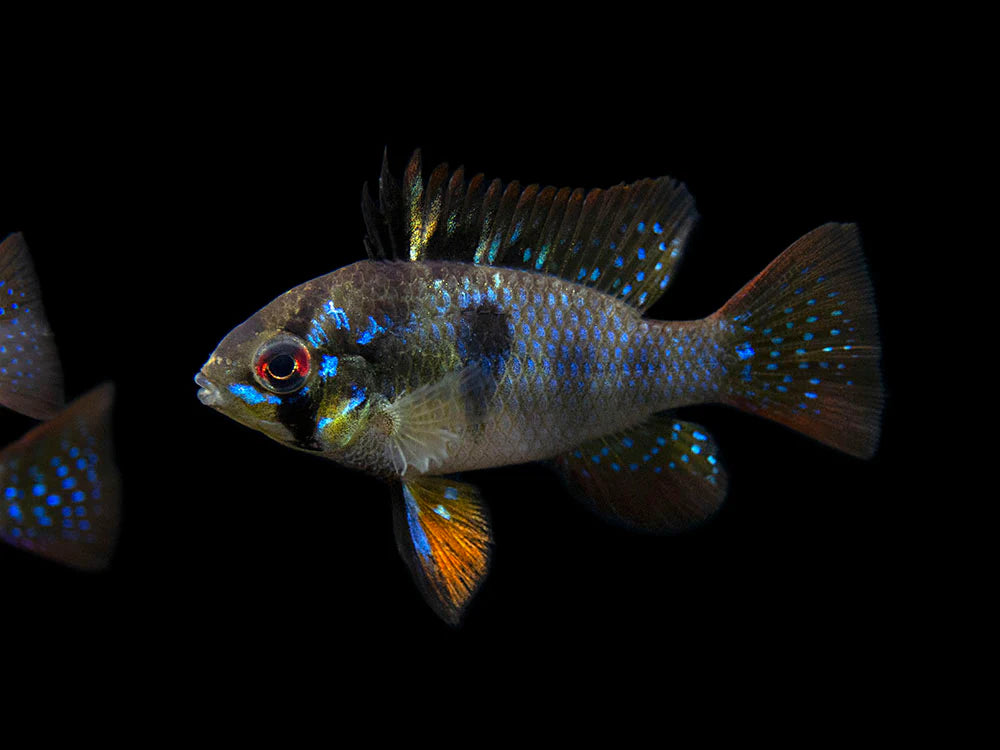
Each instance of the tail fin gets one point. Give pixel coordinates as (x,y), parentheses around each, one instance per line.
(802,342)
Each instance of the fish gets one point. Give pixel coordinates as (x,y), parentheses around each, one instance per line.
(61,488)
(31,378)
(493,324)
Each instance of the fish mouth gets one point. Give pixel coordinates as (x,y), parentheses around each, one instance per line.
(208,394)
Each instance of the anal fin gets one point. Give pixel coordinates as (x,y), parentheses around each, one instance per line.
(661,476)
(443,533)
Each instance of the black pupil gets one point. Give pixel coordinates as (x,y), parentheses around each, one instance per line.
(281,366)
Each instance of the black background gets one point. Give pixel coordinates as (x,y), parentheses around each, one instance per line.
(162,211)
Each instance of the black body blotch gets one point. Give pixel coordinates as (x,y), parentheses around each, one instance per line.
(484,338)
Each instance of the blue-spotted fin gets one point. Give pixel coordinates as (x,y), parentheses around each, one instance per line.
(60,486)
(497,325)
(31,380)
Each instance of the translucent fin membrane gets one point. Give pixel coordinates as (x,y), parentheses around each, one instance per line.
(626,240)
(661,476)
(802,342)
(60,486)
(443,533)
(31,379)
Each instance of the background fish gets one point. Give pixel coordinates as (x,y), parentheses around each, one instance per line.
(515,333)
(60,486)
(31,379)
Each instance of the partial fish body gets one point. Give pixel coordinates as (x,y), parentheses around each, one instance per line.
(31,379)
(60,486)
(514,332)
(59,483)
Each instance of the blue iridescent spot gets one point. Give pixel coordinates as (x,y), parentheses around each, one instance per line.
(744,350)
(640,276)
(619,262)
(10,492)
(370,332)
(329,366)
(627,442)
(658,228)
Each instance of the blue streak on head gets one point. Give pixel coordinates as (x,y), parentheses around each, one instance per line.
(358,396)
(370,332)
(250,395)
(328,368)
(340,319)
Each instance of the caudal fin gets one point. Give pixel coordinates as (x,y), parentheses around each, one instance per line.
(801,342)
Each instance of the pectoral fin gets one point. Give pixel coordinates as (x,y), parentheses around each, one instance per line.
(427,421)
(443,533)
(661,476)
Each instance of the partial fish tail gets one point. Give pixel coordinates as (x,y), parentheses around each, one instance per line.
(800,342)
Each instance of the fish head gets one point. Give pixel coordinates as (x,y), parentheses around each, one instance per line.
(292,370)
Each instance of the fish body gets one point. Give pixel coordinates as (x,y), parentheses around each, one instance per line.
(494,326)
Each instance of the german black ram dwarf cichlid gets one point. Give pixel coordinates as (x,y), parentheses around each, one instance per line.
(497,325)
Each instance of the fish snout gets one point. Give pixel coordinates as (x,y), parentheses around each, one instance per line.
(208,394)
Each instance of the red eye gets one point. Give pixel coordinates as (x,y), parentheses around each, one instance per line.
(282,364)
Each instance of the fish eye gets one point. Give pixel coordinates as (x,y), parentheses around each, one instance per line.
(282,364)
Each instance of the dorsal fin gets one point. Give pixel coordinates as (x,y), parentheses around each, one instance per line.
(625,240)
